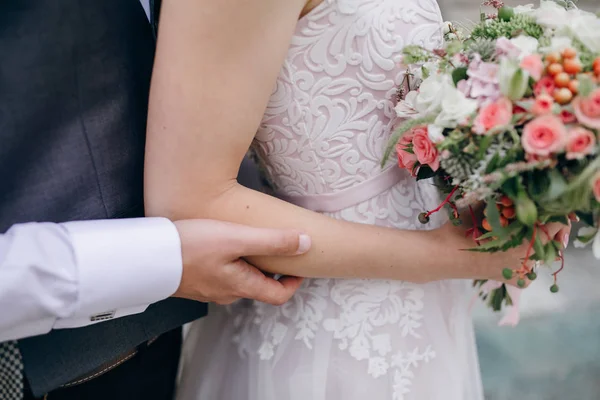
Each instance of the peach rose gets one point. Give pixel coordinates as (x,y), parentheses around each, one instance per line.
(493,115)
(596,186)
(543,104)
(406,159)
(425,149)
(587,110)
(544,135)
(580,143)
(534,65)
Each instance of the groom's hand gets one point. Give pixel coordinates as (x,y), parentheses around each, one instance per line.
(213,265)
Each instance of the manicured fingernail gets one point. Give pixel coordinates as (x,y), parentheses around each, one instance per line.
(304,244)
(566,241)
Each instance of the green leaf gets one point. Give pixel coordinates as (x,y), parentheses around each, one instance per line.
(539,248)
(493,217)
(558,185)
(551,253)
(511,188)
(560,219)
(425,172)
(539,184)
(526,209)
(498,296)
(484,145)
(586,85)
(459,74)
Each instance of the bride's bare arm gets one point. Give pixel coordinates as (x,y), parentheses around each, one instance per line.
(215,67)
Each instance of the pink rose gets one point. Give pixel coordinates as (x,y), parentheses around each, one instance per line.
(504,47)
(544,85)
(567,117)
(493,115)
(406,159)
(587,110)
(534,65)
(544,135)
(424,149)
(580,143)
(543,104)
(596,186)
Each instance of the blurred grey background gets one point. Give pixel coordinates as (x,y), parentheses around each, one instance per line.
(554,353)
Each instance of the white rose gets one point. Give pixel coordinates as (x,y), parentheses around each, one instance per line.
(406,108)
(586,28)
(427,69)
(446,27)
(558,44)
(526,44)
(550,14)
(429,100)
(456,107)
(435,133)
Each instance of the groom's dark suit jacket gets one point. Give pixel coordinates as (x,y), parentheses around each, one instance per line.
(74,80)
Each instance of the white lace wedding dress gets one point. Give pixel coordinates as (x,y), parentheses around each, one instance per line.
(324,132)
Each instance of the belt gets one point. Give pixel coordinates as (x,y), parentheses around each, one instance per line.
(345,198)
(107,367)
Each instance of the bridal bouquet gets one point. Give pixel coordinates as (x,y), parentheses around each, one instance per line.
(509,115)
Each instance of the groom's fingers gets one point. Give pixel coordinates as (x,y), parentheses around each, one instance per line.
(253,284)
(269,242)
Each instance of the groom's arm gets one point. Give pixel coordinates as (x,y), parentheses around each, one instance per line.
(80,273)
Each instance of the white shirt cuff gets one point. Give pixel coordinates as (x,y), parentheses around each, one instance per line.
(123,266)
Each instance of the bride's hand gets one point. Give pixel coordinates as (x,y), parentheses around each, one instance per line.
(491,265)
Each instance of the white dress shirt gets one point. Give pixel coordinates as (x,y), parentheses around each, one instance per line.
(74,274)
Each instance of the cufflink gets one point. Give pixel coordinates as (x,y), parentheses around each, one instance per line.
(103,316)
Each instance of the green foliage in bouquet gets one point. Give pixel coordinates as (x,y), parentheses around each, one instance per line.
(517,25)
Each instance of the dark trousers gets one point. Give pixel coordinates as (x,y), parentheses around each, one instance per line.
(149,375)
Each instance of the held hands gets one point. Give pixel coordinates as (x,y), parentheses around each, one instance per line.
(213,265)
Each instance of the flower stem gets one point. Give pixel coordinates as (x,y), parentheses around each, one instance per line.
(443,203)
(562,266)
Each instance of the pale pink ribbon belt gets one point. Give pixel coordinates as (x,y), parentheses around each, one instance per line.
(366,190)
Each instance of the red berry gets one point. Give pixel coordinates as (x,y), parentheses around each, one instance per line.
(563,96)
(555,69)
(508,212)
(574,86)
(553,57)
(506,201)
(486,225)
(569,53)
(572,66)
(562,79)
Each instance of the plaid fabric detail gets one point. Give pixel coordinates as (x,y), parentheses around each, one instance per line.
(11,372)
